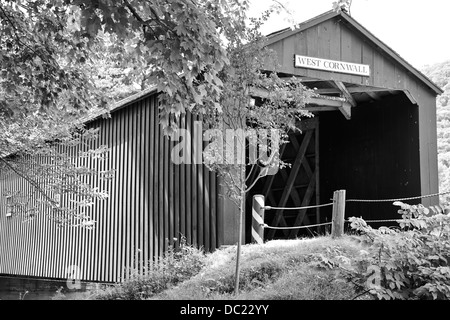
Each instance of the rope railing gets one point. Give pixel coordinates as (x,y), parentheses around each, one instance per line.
(399,199)
(299,227)
(338,213)
(299,208)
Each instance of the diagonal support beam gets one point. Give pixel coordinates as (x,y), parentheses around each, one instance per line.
(347,95)
(282,220)
(290,182)
(374,95)
(306,201)
(346,110)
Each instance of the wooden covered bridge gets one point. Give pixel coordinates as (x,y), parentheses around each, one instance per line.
(379,142)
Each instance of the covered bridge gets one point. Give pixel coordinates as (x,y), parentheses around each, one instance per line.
(379,142)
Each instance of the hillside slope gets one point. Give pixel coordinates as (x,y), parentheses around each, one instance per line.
(440,74)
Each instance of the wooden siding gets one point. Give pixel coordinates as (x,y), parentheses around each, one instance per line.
(152,201)
(337,39)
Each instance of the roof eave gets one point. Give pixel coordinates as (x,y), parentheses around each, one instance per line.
(124,102)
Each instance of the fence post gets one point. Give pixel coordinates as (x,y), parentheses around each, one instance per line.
(258,219)
(337,227)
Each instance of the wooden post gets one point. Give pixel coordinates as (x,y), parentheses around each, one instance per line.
(258,219)
(337,227)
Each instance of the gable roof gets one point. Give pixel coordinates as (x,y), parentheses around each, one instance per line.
(284,33)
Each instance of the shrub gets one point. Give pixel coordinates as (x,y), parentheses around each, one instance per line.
(410,262)
(177,265)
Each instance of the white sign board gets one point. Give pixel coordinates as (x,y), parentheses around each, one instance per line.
(332,65)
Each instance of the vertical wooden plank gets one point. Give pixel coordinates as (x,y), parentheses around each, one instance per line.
(153,173)
(68,231)
(182,200)
(105,217)
(103,220)
(194,211)
(367,58)
(77,250)
(171,188)
(121,241)
(87,234)
(220,212)
(213,211)
(189,169)
(177,192)
(206,209)
(133,215)
(378,66)
(129,183)
(111,210)
(301,46)
(114,130)
(94,253)
(312,44)
(157,194)
(139,233)
(350,51)
(197,222)
(286,53)
(201,188)
(147,148)
(335,40)
(324,37)
(161,189)
(389,74)
(166,168)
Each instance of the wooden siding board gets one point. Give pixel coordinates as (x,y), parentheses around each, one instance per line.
(113,203)
(121,199)
(161,193)
(155,194)
(106,217)
(428,146)
(182,200)
(189,195)
(131,213)
(166,194)
(213,210)
(367,58)
(97,215)
(335,39)
(139,227)
(148,144)
(206,213)
(200,194)
(171,192)
(194,187)
(177,193)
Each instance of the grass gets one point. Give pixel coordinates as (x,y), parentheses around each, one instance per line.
(277,270)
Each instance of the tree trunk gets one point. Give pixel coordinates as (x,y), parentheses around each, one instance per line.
(241,223)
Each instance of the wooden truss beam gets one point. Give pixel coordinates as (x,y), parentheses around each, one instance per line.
(317,103)
(324,104)
(344,91)
(373,95)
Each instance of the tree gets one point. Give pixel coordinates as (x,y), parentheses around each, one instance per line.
(342,5)
(258,111)
(49,53)
(44,90)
